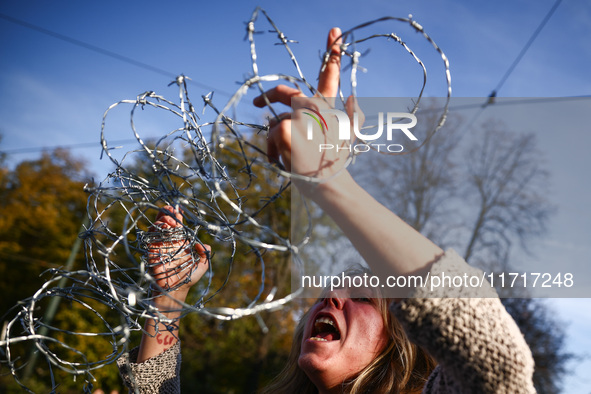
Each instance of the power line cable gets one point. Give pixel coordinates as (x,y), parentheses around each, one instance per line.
(493,94)
(452,108)
(106,52)
(491,97)
(525,48)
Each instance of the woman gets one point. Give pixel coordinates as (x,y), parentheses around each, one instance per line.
(361,343)
(389,361)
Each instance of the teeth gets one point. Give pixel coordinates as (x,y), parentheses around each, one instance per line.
(325,320)
(318,323)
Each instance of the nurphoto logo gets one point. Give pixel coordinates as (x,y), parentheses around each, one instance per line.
(394,122)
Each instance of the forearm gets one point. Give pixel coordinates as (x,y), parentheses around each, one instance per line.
(160,336)
(386,242)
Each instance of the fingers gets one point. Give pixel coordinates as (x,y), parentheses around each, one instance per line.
(174,263)
(279,94)
(329,78)
(274,121)
(167,218)
(204,251)
(279,141)
(353,110)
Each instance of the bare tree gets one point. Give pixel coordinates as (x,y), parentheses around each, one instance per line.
(506,180)
(418,186)
(483,197)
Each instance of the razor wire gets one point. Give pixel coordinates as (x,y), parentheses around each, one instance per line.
(187,169)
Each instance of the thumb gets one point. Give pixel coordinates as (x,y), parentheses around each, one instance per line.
(203,250)
(329,78)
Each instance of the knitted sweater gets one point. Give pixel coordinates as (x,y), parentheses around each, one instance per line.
(478,347)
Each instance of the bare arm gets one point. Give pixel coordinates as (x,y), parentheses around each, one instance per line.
(388,244)
(160,336)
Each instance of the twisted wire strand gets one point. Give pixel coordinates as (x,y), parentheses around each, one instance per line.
(185,168)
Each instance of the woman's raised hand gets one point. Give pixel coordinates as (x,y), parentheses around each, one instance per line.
(288,140)
(171,262)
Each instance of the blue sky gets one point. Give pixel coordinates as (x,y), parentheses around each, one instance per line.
(54,93)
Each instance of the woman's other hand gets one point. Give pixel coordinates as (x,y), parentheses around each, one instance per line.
(172,262)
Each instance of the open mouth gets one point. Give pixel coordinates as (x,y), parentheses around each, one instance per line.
(325,329)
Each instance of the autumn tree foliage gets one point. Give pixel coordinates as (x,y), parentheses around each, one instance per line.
(239,355)
(43,206)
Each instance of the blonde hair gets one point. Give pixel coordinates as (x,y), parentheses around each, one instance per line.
(401,367)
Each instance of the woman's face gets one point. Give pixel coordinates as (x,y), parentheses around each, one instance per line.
(341,337)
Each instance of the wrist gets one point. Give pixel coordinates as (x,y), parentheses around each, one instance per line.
(333,192)
(170,301)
